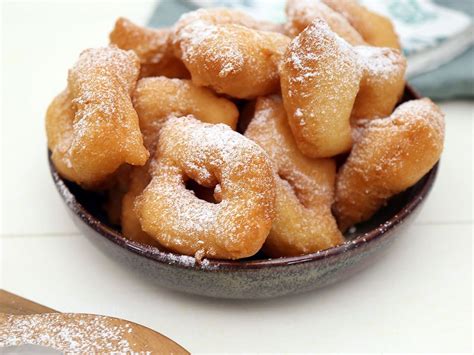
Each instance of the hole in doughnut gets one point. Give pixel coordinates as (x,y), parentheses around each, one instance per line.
(208,194)
(247,112)
(294,187)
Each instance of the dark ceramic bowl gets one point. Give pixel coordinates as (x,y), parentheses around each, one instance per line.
(257,277)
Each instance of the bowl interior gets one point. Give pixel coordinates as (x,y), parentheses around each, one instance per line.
(89,206)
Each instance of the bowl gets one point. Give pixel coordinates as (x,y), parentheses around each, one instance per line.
(256,277)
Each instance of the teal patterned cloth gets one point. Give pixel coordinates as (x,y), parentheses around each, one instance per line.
(456,78)
(437,36)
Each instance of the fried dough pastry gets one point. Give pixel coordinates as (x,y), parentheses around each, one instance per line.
(320,77)
(152,46)
(325,82)
(376,30)
(155,99)
(59,131)
(389,155)
(139,179)
(92,127)
(301,13)
(230,58)
(131,228)
(382,84)
(105,130)
(211,155)
(115,189)
(226,16)
(304,187)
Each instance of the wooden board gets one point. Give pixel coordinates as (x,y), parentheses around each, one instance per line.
(13,304)
(16,313)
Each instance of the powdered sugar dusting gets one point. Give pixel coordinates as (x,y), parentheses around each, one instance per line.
(108,63)
(389,155)
(70,333)
(184,260)
(302,13)
(190,261)
(211,155)
(406,116)
(100,84)
(317,44)
(99,80)
(319,74)
(305,10)
(225,16)
(192,40)
(64,191)
(381,63)
(269,129)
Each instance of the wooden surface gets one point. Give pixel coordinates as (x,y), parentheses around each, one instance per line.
(44,322)
(13,304)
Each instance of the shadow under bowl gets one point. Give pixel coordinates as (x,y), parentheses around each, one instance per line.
(256,277)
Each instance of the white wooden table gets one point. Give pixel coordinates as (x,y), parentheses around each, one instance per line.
(418,298)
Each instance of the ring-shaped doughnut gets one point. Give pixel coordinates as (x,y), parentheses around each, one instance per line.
(211,155)
(156,99)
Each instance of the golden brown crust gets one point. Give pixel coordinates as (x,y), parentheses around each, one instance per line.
(301,13)
(226,16)
(229,57)
(320,78)
(106,133)
(155,99)
(304,187)
(210,155)
(326,84)
(116,188)
(389,155)
(376,30)
(92,127)
(59,131)
(211,192)
(382,84)
(131,228)
(152,46)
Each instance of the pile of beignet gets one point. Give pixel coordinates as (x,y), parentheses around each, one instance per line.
(217,137)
